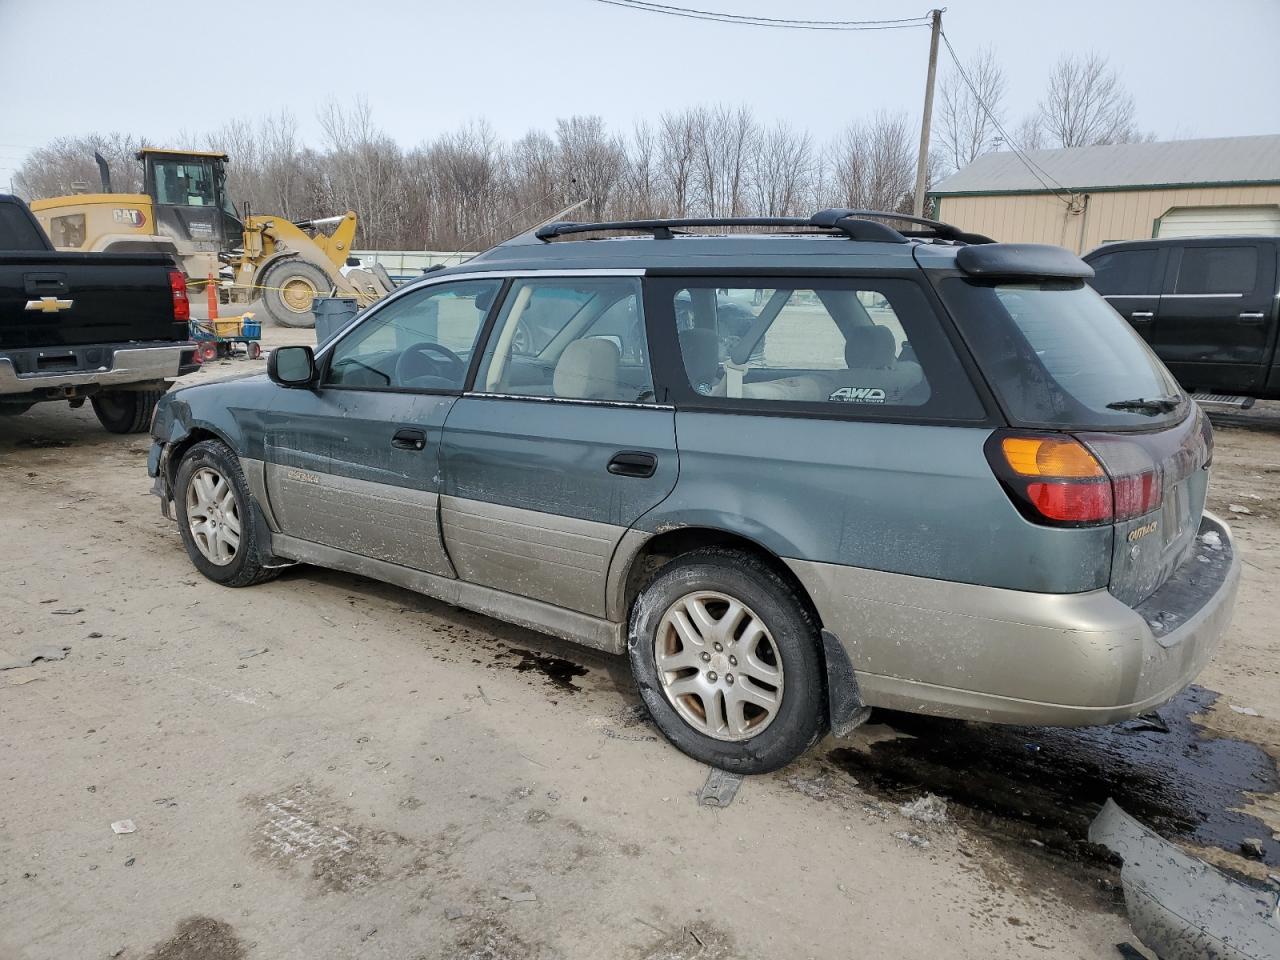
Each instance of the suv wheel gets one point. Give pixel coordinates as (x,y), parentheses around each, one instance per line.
(126,411)
(215,518)
(728,661)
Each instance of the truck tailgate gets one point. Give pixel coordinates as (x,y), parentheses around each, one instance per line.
(71,299)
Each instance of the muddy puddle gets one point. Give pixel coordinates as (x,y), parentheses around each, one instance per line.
(558,672)
(1042,786)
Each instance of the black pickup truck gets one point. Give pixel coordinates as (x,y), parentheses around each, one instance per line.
(105,327)
(1209,307)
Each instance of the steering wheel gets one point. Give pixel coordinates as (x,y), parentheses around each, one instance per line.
(414,363)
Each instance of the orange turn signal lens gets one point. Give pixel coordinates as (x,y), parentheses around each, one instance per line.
(1061,458)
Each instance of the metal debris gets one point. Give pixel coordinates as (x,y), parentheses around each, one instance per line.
(1180,907)
(124,826)
(720,788)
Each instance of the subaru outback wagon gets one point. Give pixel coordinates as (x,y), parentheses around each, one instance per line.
(792,475)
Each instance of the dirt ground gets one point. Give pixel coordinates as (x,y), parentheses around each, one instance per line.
(325,766)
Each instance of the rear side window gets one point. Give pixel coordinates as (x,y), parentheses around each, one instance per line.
(1218,270)
(17,232)
(1124,272)
(847,346)
(1058,355)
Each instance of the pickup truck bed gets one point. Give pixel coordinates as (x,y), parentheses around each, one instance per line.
(110,328)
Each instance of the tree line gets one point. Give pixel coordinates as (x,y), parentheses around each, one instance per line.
(468,188)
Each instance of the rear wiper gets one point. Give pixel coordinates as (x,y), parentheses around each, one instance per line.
(1153,406)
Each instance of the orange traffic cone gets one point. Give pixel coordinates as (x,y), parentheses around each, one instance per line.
(212,293)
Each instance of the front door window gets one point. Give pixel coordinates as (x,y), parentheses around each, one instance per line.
(420,341)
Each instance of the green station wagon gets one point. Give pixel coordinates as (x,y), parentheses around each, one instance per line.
(794,472)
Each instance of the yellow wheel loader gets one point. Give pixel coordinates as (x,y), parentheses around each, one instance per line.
(185,211)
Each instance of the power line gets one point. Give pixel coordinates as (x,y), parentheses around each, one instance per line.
(716,16)
(1034,168)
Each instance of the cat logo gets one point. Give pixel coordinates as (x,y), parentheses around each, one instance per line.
(1137,533)
(302,477)
(859,395)
(129,217)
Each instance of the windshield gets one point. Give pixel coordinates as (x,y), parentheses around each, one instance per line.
(185,183)
(1057,356)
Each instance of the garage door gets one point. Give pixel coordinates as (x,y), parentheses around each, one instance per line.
(1219,221)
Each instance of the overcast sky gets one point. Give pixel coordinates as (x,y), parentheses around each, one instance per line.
(70,67)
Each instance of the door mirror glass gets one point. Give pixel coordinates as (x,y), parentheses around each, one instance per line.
(292,366)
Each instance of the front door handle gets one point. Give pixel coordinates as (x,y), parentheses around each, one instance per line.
(409,439)
(1253,319)
(633,463)
(1141,315)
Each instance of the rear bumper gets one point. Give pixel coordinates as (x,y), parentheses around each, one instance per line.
(103,365)
(983,653)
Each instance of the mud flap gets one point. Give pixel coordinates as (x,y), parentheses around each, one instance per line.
(845,708)
(1181,907)
(262,534)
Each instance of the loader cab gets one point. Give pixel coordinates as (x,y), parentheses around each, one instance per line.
(190,196)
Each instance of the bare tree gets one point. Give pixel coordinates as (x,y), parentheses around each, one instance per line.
(725,137)
(781,171)
(589,161)
(968,116)
(873,164)
(677,151)
(1086,104)
(66,164)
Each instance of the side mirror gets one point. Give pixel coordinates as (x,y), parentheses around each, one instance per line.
(292,366)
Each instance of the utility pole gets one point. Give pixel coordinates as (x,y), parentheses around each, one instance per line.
(922,161)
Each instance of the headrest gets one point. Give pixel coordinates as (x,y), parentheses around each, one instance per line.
(871,346)
(587,370)
(700,348)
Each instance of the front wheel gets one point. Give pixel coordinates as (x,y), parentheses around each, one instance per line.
(126,411)
(289,291)
(215,517)
(728,661)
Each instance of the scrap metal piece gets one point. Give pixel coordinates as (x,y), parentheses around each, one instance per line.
(720,789)
(1181,907)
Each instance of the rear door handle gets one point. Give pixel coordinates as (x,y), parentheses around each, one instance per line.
(409,439)
(1141,315)
(633,463)
(1253,319)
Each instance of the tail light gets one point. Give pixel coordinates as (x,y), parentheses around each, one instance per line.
(181,305)
(1060,480)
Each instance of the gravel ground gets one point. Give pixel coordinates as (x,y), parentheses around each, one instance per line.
(325,766)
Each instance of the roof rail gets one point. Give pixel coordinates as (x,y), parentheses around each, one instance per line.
(936,228)
(855,224)
(664,229)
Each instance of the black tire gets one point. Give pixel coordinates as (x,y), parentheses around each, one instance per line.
(276,297)
(801,716)
(245,568)
(126,411)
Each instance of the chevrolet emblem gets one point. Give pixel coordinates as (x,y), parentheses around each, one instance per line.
(49,304)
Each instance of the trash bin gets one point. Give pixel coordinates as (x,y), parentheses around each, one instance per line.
(332,314)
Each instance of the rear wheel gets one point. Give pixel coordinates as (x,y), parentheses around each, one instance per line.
(126,411)
(215,518)
(289,291)
(728,661)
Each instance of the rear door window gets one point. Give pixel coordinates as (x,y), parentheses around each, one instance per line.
(1218,270)
(1057,355)
(861,347)
(1126,273)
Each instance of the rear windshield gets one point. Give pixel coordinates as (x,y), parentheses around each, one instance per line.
(1057,355)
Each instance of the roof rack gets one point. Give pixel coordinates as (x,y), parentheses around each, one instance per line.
(855,224)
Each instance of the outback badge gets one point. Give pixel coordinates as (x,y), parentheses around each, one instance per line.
(1137,533)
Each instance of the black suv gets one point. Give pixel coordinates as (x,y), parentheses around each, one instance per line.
(1208,306)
